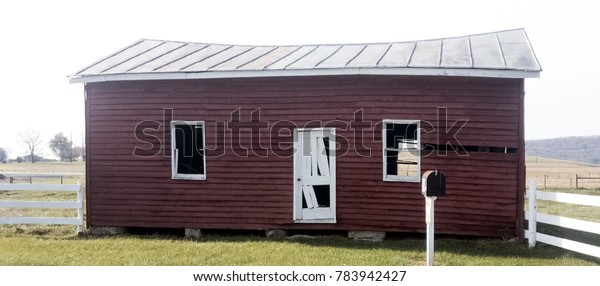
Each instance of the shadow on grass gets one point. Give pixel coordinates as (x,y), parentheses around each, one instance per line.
(576,235)
(471,247)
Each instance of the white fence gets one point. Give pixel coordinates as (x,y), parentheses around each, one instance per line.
(28,177)
(45,204)
(533,216)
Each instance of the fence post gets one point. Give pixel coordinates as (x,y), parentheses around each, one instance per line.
(532,213)
(545,176)
(80,208)
(576,181)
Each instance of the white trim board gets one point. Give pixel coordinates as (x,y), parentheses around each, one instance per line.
(577,199)
(40,187)
(577,224)
(41,220)
(494,73)
(41,204)
(586,249)
(384,149)
(175,175)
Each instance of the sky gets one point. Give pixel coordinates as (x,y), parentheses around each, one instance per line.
(43,42)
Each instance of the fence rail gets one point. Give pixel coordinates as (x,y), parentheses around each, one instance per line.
(578,178)
(28,177)
(566,180)
(78,205)
(533,216)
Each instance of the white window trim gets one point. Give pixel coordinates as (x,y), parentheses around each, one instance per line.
(395,178)
(174,174)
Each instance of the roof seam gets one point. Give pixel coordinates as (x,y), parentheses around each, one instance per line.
(135,67)
(441,52)
(278,60)
(471,52)
(293,62)
(355,56)
(258,57)
(384,54)
(205,58)
(501,51)
(410,57)
(326,58)
(233,57)
(135,56)
(182,57)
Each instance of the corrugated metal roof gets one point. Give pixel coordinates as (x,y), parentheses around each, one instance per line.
(498,54)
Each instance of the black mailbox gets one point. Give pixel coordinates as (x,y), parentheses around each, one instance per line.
(434,184)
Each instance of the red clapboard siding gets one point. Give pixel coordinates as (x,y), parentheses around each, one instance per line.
(255,191)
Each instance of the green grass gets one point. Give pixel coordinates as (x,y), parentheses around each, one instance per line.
(44,167)
(588,213)
(27,248)
(37,196)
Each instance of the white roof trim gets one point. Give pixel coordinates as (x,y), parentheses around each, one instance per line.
(309,72)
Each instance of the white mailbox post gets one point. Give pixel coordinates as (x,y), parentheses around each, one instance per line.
(433,184)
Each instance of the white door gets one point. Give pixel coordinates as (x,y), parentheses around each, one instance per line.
(314,175)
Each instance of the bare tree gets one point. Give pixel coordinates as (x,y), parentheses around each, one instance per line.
(32,139)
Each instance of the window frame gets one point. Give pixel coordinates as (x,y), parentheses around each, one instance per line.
(396,178)
(174,172)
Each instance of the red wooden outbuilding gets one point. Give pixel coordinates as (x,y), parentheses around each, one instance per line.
(336,137)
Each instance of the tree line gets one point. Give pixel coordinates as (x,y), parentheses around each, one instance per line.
(581,148)
(60,145)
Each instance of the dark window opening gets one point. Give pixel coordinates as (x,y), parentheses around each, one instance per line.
(326,150)
(189,149)
(401,150)
(462,149)
(322,195)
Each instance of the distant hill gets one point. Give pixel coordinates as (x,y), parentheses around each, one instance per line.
(582,149)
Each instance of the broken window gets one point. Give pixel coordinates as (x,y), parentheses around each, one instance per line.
(187,150)
(401,151)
